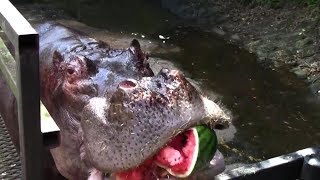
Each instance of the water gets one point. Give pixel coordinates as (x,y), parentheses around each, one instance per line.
(274,112)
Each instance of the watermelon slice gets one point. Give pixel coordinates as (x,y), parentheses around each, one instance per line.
(188,152)
(142,172)
(185,154)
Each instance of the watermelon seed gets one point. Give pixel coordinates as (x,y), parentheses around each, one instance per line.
(184,140)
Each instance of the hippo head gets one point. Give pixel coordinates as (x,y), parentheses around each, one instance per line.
(124,113)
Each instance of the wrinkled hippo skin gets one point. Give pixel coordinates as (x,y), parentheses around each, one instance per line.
(112,110)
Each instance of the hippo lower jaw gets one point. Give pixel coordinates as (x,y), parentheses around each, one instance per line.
(155,171)
(215,167)
(213,116)
(124,128)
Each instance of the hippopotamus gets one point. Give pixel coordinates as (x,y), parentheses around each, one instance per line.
(113,111)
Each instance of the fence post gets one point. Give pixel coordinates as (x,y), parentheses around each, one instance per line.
(26,43)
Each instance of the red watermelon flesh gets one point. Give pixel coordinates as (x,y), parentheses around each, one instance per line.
(143,172)
(178,158)
(182,161)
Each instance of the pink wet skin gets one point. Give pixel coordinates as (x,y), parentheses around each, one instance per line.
(112,110)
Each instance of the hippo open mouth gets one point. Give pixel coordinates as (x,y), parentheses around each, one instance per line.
(186,155)
(141,117)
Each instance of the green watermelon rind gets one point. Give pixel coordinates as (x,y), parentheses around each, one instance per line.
(208,143)
(205,152)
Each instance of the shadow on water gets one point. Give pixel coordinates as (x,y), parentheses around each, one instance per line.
(275,112)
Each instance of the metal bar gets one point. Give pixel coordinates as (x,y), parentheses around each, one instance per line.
(26,42)
(282,167)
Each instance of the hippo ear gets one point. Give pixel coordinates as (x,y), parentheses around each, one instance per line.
(135,48)
(56,60)
(135,43)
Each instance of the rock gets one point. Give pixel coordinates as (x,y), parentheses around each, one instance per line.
(219,31)
(307,52)
(300,44)
(235,37)
(252,46)
(313,78)
(282,55)
(300,72)
(264,51)
(268,47)
(315,85)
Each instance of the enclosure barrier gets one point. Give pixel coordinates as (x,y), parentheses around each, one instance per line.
(303,164)
(21,72)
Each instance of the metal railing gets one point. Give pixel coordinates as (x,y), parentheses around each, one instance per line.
(21,72)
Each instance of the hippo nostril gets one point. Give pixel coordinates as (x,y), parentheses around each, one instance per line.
(70,71)
(128,84)
(159,85)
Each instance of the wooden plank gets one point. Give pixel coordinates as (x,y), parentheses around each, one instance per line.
(29,106)
(22,76)
(7,66)
(50,130)
(13,23)
(47,123)
(26,44)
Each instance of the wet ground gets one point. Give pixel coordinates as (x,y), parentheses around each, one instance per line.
(288,33)
(274,111)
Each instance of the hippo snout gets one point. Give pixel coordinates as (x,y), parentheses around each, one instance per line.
(141,117)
